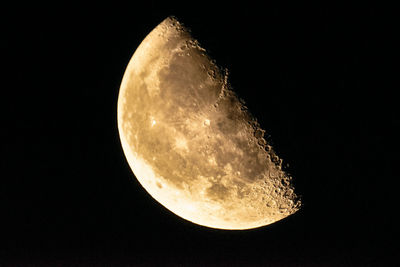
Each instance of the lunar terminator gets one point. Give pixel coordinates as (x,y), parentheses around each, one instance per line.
(191,143)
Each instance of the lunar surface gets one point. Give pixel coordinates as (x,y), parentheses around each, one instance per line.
(191,143)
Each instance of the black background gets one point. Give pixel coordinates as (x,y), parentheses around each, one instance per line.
(320,79)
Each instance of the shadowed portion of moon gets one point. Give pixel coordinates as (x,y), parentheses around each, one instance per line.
(191,143)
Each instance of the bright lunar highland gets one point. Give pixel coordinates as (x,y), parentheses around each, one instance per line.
(192,143)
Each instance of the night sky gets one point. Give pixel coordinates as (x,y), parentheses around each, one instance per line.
(320,80)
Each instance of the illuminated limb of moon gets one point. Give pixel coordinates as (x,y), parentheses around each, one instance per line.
(191,143)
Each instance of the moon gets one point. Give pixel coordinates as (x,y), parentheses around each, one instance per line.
(192,143)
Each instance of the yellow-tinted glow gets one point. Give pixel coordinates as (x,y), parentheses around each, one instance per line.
(191,143)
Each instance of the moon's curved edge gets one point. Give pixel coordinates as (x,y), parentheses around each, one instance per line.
(143,170)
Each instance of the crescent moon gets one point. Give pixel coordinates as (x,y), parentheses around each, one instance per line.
(192,143)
